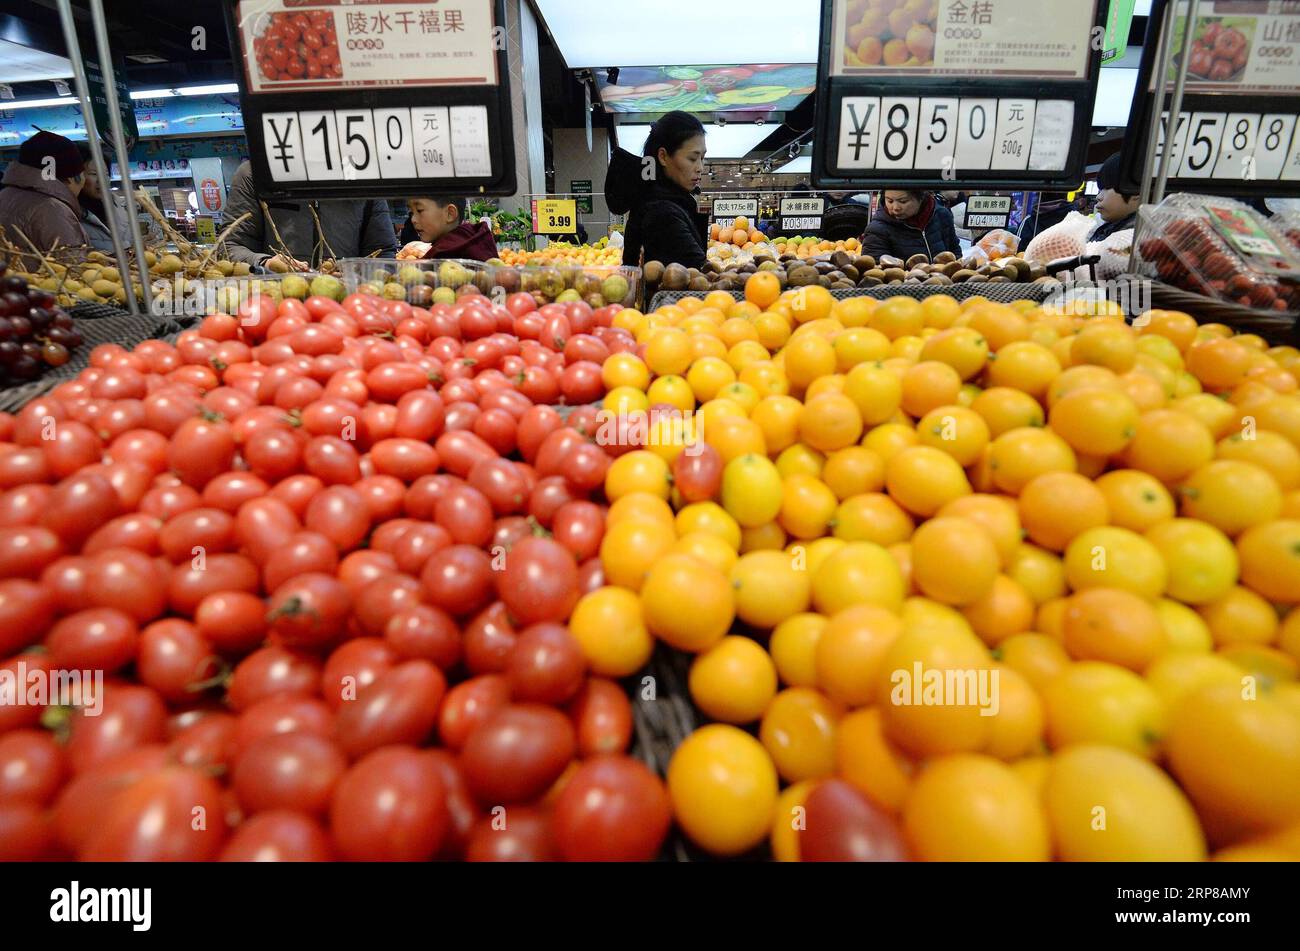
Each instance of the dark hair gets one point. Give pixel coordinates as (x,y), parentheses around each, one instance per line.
(444,202)
(671,132)
(918,195)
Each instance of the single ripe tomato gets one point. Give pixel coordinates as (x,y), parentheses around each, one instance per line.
(517,753)
(611,809)
(540,581)
(390,806)
(309,611)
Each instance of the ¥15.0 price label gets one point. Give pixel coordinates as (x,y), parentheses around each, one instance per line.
(953,134)
(343,145)
(1230,147)
(555,216)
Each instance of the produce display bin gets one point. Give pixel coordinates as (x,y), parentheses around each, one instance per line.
(413,281)
(599,285)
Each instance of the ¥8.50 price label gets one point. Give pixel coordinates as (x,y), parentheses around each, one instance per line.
(966,134)
(555,216)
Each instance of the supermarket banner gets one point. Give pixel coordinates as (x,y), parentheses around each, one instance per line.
(382,99)
(953,93)
(1238,128)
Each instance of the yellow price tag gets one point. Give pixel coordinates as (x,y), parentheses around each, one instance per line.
(556,216)
(205,228)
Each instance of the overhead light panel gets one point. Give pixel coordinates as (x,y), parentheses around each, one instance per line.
(651,34)
(1114,97)
(40,103)
(802,166)
(733,141)
(214,89)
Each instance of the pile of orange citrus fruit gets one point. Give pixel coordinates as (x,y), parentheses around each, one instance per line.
(559,253)
(1092,527)
(810,247)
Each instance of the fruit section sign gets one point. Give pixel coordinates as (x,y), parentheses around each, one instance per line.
(988,211)
(952,93)
(1236,131)
(735,208)
(373,99)
(801,215)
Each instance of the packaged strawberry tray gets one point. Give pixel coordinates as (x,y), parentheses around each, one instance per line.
(1222,249)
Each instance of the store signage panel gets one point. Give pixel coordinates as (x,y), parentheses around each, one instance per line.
(965,93)
(988,211)
(1236,132)
(396,98)
(735,208)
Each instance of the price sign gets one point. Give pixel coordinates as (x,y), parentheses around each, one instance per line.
(555,216)
(206,228)
(1236,128)
(960,93)
(988,211)
(735,208)
(801,215)
(399,98)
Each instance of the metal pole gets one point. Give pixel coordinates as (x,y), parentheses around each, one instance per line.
(1176,103)
(1153,130)
(119,144)
(92,140)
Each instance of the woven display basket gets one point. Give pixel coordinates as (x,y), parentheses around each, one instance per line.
(1277,328)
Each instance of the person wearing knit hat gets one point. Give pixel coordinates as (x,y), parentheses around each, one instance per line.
(38,194)
(1117,209)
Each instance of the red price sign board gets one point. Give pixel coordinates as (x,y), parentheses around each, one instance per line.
(376,99)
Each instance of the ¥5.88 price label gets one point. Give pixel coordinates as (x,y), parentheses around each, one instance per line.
(962,134)
(362,144)
(1230,146)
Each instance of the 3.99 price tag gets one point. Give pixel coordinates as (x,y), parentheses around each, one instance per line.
(555,216)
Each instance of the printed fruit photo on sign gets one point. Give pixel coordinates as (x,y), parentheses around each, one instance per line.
(1220,48)
(295,46)
(890,32)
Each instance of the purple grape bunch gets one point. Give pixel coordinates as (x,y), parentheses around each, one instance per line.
(35,333)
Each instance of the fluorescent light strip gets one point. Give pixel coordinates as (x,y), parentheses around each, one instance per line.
(38,103)
(215,89)
(733,140)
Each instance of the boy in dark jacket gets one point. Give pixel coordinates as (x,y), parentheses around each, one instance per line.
(908,223)
(441,222)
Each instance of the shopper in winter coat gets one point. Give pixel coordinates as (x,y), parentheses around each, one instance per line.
(352,229)
(658,196)
(908,223)
(94,217)
(39,193)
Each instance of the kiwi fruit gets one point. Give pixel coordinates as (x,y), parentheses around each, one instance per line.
(841,260)
(851,272)
(888,260)
(877,273)
(675,277)
(824,267)
(836,276)
(870,281)
(945,257)
(824,281)
(653,272)
(803,276)
(864,263)
(894,273)
(699,283)
(1044,279)
(950,268)
(1000,279)
(693,272)
(962,274)
(916,260)
(977,278)
(937,279)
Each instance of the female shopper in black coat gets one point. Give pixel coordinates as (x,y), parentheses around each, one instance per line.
(908,223)
(657,192)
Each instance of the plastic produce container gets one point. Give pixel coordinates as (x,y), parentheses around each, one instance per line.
(421,282)
(1221,249)
(180,296)
(598,285)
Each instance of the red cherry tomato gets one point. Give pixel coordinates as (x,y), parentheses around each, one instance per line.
(611,809)
(390,806)
(517,753)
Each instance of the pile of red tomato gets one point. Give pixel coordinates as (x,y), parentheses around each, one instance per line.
(299,46)
(324,555)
